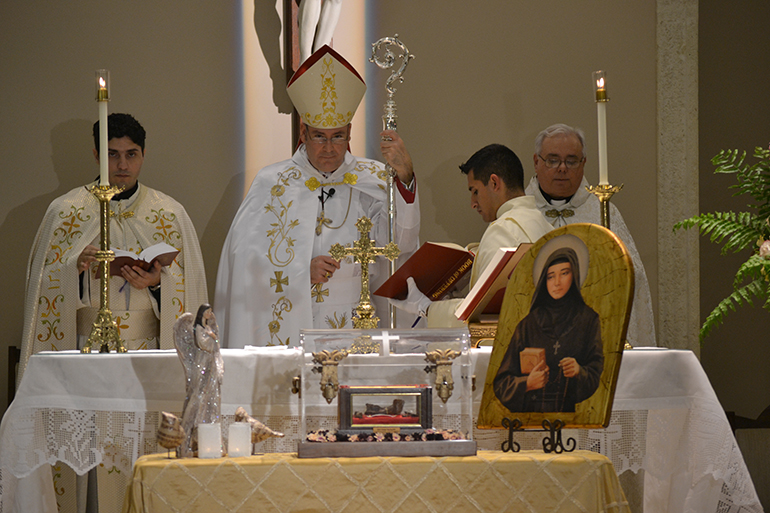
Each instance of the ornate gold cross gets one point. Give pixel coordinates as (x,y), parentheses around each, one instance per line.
(364,251)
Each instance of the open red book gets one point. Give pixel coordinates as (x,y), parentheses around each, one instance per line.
(435,267)
(486,296)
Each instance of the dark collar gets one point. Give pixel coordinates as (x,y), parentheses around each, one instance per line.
(550,199)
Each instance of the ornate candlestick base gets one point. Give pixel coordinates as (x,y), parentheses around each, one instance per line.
(604,193)
(365,320)
(104,332)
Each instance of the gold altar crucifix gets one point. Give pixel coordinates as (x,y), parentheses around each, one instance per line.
(364,251)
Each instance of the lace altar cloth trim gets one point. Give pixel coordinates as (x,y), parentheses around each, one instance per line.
(72,436)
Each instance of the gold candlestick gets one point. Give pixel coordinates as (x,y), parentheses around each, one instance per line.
(104,332)
(604,193)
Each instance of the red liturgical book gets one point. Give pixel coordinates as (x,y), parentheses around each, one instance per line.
(435,267)
(486,296)
(162,252)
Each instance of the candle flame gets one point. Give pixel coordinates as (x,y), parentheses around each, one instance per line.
(102,83)
(600,83)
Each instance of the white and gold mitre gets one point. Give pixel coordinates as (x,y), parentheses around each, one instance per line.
(326,90)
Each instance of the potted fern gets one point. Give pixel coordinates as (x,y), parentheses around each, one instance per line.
(737,231)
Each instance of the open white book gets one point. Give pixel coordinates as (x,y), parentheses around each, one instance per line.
(487,293)
(162,252)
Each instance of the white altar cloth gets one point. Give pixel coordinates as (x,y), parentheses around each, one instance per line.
(72,408)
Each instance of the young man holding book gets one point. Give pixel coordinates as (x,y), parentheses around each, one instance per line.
(63,285)
(496,183)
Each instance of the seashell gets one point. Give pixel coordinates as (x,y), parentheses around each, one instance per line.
(170,433)
(259,431)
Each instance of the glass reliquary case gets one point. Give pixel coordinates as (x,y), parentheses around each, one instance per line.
(386,393)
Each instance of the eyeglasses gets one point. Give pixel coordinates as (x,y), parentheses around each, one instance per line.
(554,162)
(337,140)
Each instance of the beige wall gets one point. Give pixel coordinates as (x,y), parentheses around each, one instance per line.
(498,71)
(174,65)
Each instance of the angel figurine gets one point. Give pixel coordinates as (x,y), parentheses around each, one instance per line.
(197,343)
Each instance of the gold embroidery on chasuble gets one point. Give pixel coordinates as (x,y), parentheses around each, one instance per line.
(48,329)
(123,215)
(314,183)
(280,251)
(165,230)
(274,326)
(373,169)
(337,323)
(279,281)
(319,292)
(329,115)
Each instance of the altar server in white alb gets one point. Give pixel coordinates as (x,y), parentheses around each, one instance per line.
(275,274)
(559,189)
(63,289)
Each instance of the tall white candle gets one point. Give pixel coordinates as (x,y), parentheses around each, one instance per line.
(104,157)
(209,441)
(102,97)
(601,114)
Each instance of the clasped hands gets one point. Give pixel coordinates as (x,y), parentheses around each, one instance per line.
(538,378)
(134,275)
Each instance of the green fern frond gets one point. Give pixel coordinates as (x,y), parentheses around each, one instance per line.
(725,161)
(755,268)
(738,231)
(741,296)
(741,229)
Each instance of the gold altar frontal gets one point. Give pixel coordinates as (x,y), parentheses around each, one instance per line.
(280,482)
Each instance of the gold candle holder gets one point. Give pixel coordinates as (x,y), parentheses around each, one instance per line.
(604,193)
(104,332)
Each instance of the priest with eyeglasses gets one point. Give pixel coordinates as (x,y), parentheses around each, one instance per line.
(559,188)
(275,274)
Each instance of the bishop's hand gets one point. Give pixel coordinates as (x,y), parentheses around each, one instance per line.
(322,268)
(395,153)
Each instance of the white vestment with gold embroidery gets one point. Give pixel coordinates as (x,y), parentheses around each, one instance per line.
(263,293)
(55,314)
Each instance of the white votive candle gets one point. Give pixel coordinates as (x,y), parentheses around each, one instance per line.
(209,441)
(239,440)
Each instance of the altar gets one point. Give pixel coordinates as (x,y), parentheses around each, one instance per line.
(666,420)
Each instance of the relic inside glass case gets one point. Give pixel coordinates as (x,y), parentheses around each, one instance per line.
(386,393)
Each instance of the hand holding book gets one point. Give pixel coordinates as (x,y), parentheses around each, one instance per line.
(415,303)
(162,253)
